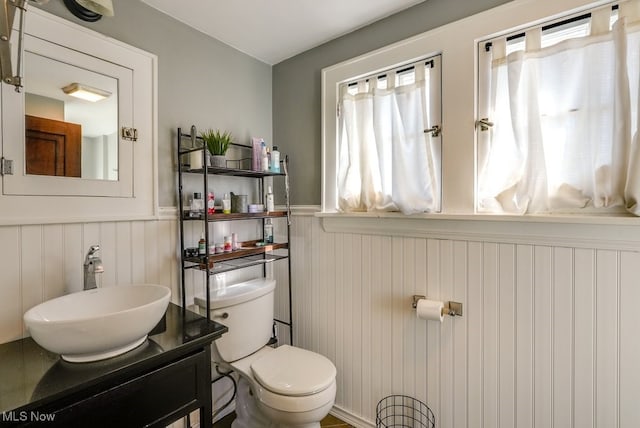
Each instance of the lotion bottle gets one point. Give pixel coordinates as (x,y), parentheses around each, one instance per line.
(265,157)
(226,204)
(269,200)
(268,231)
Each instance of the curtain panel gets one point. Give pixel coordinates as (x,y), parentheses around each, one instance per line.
(386,160)
(566,121)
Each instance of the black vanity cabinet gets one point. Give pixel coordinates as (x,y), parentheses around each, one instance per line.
(166,378)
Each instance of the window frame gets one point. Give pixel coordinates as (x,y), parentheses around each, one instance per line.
(458,43)
(558,23)
(434,84)
(332,77)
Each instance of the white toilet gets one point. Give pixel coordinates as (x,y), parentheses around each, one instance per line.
(279,387)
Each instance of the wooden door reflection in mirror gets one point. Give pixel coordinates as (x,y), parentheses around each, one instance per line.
(52,147)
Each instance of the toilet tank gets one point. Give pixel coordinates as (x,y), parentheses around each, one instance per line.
(246,309)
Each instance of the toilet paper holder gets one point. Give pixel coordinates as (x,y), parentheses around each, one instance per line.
(451,308)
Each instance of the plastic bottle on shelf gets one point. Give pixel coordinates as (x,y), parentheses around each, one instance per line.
(265,157)
(202,246)
(226,204)
(269,200)
(268,231)
(211,208)
(275,159)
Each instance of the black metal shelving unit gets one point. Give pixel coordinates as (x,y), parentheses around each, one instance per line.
(250,253)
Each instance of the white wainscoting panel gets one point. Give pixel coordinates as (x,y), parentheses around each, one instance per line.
(549,335)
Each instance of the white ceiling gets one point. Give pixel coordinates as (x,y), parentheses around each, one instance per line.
(274,30)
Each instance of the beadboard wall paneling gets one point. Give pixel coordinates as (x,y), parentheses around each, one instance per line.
(548,337)
(40,262)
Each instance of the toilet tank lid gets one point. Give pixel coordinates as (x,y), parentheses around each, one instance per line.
(294,371)
(237,293)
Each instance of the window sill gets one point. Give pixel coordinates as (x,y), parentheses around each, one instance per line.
(603,232)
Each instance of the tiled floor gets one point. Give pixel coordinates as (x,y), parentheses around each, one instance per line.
(329,422)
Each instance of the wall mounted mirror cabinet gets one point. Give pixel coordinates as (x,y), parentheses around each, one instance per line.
(83,126)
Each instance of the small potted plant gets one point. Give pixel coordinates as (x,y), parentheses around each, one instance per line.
(217,143)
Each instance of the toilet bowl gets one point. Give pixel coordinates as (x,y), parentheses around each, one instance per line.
(292,387)
(279,387)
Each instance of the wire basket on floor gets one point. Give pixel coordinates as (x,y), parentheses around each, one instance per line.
(399,411)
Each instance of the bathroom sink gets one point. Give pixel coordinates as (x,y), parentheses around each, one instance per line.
(97,324)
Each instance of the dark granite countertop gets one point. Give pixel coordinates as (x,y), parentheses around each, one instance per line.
(31,375)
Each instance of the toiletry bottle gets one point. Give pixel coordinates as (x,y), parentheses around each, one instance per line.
(269,200)
(265,158)
(268,159)
(197,205)
(226,204)
(210,203)
(275,159)
(202,246)
(256,159)
(268,231)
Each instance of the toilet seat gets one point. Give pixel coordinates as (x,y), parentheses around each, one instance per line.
(321,392)
(293,372)
(291,404)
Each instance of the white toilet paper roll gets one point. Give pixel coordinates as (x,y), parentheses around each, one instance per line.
(430,310)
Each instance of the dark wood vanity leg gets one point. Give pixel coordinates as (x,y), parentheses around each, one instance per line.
(206,411)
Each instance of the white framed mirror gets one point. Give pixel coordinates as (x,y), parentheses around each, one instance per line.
(101,174)
(44,163)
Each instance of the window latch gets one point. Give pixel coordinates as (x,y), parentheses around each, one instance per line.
(435,131)
(484,124)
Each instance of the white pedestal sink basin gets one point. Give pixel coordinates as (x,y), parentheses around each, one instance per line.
(100,323)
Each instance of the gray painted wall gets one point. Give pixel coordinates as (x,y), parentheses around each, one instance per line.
(201,81)
(296,84)
(204,82)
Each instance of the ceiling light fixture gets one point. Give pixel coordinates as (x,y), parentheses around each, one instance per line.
(90,10)
(85,92)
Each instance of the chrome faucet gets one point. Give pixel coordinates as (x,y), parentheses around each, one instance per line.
(92,266)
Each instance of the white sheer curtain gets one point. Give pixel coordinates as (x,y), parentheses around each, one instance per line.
(565,134)
(386,160)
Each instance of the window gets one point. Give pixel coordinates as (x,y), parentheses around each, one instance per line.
(563,100)
(388,149)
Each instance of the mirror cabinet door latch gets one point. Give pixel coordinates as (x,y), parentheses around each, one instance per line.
(6,166)
(130,134)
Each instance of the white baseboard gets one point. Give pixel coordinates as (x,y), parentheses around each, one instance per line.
(351,419)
